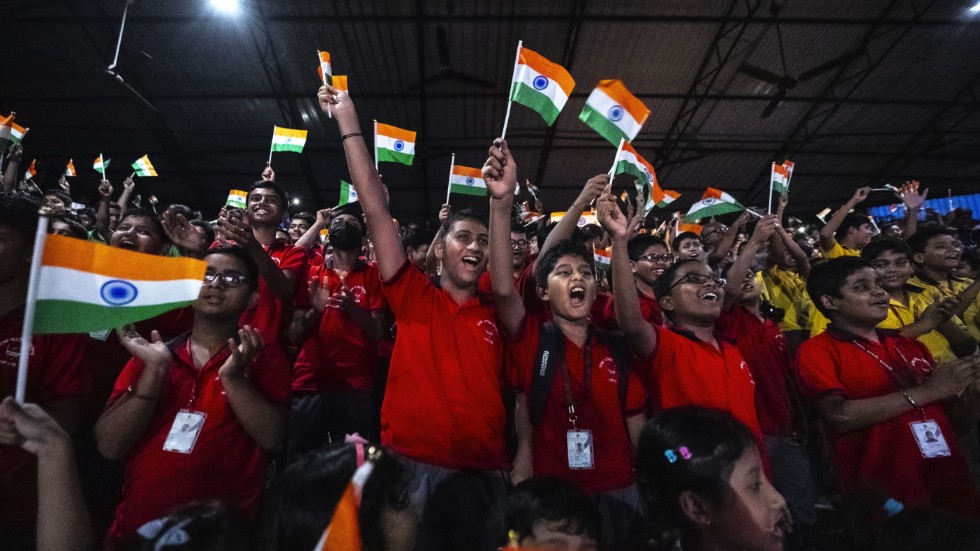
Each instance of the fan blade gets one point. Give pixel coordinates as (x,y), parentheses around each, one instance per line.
(470,79)
(442,45)
(760,73)
(830,65)
(133,91)
(773,103)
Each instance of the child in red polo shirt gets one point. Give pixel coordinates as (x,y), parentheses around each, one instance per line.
(442,407)
(576,423)
(195,416)
(881,396)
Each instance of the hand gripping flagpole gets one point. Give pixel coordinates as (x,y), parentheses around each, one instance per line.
(28,327)
(324,74)
(449,185)
(517,59)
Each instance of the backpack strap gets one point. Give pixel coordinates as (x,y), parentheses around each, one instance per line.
(551,351)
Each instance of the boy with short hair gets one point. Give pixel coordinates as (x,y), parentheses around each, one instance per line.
(687,245)
(936,253)
(546,513)
(879,393)
(649,258)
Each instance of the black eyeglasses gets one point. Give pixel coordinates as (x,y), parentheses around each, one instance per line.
(699,279)
(228,279)
(665,258)
(519,244)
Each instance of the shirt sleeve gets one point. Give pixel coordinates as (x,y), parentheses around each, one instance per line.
(406,288)
(127,377)
(819,370)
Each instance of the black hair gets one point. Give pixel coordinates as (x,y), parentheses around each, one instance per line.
(269,184)
(920,239)
(661,287)
(852,220)
(178,208)
(517,227)
(210,526)
(19,212)
(75,228)
(388,487)
(305,216)
(465,214)
(542,233)
(61,195)
(207,227)
(153,218)
(354,209)
(547,261)
(568,509)
(828,277)
(880,246)
(414,236)
(464,513)
(714,441)
(636,246)
(681,237)
(251,268)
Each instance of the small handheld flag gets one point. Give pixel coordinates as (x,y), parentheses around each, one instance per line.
(613,112)
(340,83)
(713,203)
(144,167)
(287,139)
(100,165)
(31,171)
(602,257)
(628,161)
(11,133)
(465,180)
(538,84)
(347,194)
(325,71)
(237,199)
(70,169)
(393,144)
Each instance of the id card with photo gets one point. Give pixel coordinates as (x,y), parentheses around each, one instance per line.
(580,453)
(184,432)
(930,439)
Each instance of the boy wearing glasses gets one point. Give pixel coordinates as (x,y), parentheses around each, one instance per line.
(194,417)
(649,258)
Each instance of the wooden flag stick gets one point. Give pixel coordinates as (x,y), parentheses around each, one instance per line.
(517,59)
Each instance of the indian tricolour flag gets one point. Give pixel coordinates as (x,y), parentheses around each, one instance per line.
(713,203)
(613,112)
(144,167)
(540,84)
(340,83)
(325,70)
(70,169)
(393,144)
(100,164)
(602,256)
(31,171)
(628,161)
(237,199)
(347,193)
(288,139)
(662,197)
(467,180)
(780,178)
(10,133)
(84,286)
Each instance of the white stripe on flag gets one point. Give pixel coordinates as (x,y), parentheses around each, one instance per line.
(391,144)
(527,75)
(616,113)
(57,283)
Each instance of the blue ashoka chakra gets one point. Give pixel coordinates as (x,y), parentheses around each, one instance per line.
(540,82)
(470,181)
(118,292)
(399,145)
(709,201)
(615,113)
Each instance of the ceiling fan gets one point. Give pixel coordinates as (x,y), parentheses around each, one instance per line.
(446,69)
(111,71)
(786,82)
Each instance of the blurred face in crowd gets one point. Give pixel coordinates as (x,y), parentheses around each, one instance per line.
(417,255)
(520,249)
(892,231)
(862,302)
(87,220)
(115,211)
(712,234)
(751,515)
(689,248)
(297,227)
(652,263)
(283,236)
(942,254)
(463,252)
(223,298)
(54,203)
(265,207)
(750,290)
(60,227)
(15,250)
(696,295)
(858,238)
(532,246)
(548,535)
(138,233)
(571,288)
(894,268)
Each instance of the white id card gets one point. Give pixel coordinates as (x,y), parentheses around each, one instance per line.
(930,439)
(580,449)
(184,432)
(100,335)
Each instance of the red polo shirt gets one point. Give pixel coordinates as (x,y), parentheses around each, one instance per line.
(271,313)
(885,455)
(763,346)
(600,412)
(649,311)
(340,355)
(58,369)
(226,463)
(443,404)
(686,371)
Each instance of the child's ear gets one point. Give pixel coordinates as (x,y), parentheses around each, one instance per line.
(440,248)
(666,303)
(828,302)
(695,508)
(633,266)
(253,300)
(918,258)
(542,293)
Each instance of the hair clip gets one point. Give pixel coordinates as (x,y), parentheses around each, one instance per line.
(685,453)
(374,453)
(671,456)
(893,507)
(173,536)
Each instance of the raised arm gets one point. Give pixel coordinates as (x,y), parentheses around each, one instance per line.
(566,226)
(743,263)
(128,187)
(102,212)
(641,335)
(500,173)
(431,260)
(9,178)
(367,183)
(727,241)
(912,200)
(312,235)
(827,239)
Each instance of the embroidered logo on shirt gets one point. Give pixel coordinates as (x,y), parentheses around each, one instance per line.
(609,366)
(358,293)
(489,331)
(745,367)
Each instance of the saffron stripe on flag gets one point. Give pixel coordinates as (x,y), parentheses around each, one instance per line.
(396,133)
(88,256)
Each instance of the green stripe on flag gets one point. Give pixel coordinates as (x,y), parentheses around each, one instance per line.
(468,190)
(529,97)
(598,122)
(68,316)
(717,209)
(287,147)
(389,156)
(626,167)
(779,187)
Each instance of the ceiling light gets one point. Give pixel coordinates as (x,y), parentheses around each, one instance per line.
(296,201)
(229,7)
(976,8)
